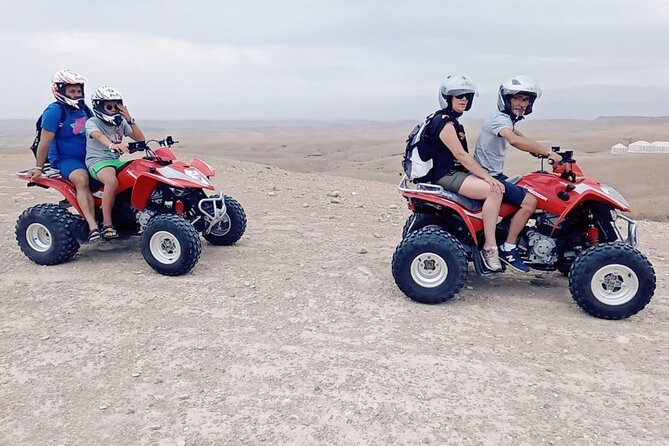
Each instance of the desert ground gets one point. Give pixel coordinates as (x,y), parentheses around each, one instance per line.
(298,335)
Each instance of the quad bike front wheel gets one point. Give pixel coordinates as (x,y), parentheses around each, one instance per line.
(612,281)
(229,230)
(418,221)
(46,234)
(170,245)
(430,265)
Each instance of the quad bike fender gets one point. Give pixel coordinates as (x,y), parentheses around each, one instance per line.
(145,185)
(441,203)
(590,193)
(61,185)
(203,167)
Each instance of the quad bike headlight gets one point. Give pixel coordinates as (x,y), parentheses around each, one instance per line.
(197,176)
(611,192)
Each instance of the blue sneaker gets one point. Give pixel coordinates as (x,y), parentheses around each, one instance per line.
(512,258)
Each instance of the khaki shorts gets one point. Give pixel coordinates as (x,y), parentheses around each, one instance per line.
(453,180)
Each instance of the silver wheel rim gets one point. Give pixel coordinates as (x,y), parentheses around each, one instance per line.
(38,237)
(614,284)
(165,247)
(221,228)
(429,270)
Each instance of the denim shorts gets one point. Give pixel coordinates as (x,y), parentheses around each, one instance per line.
(512,194)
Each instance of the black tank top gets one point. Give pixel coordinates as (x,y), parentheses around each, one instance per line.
(442,157)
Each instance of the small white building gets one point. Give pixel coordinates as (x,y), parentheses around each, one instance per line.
(639,147)
(618,149)
(659,147)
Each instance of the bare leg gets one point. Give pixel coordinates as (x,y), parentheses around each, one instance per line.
(519,220)
(79,178)
(474,187)
(107,176)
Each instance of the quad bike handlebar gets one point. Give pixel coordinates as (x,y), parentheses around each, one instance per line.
(139,146)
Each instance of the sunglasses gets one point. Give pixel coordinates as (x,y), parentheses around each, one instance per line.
(111,107)
(467,96)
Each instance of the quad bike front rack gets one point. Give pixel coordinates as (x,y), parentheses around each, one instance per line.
(218,208)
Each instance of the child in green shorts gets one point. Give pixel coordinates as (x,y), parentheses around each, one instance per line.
(104,133)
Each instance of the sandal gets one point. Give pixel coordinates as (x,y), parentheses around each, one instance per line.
(109,232)
(94,236)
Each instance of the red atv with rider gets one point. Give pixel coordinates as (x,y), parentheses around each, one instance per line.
(574,230)
(159,198)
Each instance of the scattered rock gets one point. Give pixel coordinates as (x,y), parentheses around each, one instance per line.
(305,205)
(135,375)
(155,427)
(185,396)
(272,194)
(335,201)
(363,251)
(103,407)
(623,340)
(334,193)
(393,206)
(45,338)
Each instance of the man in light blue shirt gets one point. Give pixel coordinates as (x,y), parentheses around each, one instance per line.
(515,100)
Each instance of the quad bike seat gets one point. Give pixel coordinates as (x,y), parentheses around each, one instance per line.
(48,172)
(468,203)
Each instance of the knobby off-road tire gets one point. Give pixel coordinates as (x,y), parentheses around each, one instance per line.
(612,281)
(418,221)
(430,265)
(170,245)
(46,234)
(231,229)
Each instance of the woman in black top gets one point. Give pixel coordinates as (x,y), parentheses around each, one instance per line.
(455,169)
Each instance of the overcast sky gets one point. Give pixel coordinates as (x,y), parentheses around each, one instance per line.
(344,59)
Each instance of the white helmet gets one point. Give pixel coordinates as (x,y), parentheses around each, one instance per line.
(63,78)
(518,84)
(455,85)
(100,96)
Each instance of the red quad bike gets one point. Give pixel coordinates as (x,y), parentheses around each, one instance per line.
(159,198)
(577,229)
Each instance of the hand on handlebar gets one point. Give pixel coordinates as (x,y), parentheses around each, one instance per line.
(120,148)
(554,158)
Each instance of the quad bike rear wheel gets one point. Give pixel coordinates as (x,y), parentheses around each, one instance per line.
(430,265)
(46,234)
(170,245)
(231,228)
(418,221)
(612,281)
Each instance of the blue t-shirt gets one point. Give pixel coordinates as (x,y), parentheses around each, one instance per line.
(71,137)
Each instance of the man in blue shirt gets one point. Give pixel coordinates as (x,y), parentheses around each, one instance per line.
(65,145)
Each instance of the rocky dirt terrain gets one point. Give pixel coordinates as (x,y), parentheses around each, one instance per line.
(298,335)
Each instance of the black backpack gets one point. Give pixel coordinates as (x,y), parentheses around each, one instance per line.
(38,126)
(415,167)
